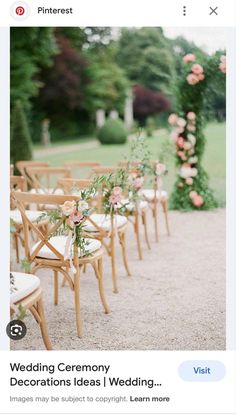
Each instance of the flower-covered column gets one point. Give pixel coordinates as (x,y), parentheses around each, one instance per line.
(191,190)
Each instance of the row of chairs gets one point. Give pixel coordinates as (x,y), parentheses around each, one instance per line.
(31,195)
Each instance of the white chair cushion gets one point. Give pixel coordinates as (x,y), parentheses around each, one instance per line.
(149,194)
(25,284)
(59,242)
(130,206)
(33,216)
(104,222)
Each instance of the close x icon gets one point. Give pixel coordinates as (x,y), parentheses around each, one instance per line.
(213,10)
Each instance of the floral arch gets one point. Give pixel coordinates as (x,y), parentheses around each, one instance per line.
(191,190)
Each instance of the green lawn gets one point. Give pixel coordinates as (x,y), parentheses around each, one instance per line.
(214,158)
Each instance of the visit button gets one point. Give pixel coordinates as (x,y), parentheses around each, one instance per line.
(202,370)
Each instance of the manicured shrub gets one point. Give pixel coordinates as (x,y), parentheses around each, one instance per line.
(113,132)
(21,144)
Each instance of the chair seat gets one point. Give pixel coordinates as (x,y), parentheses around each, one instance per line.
(24,285)
(59,242)
(130,206)
(33,216)
(149,194)
(104,221)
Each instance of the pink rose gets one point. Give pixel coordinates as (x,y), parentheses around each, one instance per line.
(173,118)
(189,181)
(174,136)
(180,142)
(201,77)
(189,58)
(115,199)
(197,69)
(117,190)
(76,217)
(192,79)
(191,116)
(160,169)
(138,182)
(193,194)
(198,201)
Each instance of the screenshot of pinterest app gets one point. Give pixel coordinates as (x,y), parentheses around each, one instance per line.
(118,209)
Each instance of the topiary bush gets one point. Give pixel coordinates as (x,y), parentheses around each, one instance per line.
(21,144)
(113,132)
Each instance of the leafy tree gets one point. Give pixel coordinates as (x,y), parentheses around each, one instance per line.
(146,56)
(31,49)
(21,145)
(148,102)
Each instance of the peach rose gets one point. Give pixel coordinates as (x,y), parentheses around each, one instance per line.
(188,58)
(180,142)
(115,199)
(197,69)
(68,208)
(173,118)
(189,181)
(160,169)
(138,182)
(191,128)
(201,77)
(187,145)
(191,116)
(222,67)
(117,190)
(193,194)
(198,201)
(192,79)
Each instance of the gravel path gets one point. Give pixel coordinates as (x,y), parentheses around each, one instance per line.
(175,299)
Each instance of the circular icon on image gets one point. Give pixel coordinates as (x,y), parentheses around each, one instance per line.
(20,10)
(16,330)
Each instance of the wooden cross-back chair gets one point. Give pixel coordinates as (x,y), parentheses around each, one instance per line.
(29,295)
(44,179)
(104,227)
(18,183)
(154,196)
(50,250)
(23,165)
(157,196)
(137,212)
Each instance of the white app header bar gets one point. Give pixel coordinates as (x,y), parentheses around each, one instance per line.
(211,13)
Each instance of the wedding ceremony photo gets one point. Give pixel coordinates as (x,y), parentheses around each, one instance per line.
(118,188)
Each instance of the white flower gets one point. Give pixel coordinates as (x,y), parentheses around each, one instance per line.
(192,139)
(181,122)
(193,160)
(82,206)
(68,208)
(187,172)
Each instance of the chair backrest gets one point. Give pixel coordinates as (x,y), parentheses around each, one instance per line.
(23,165)
(70,185)
(45,178)
(17,183)
(81,169)
(103,170)
(78,163)
(23,199)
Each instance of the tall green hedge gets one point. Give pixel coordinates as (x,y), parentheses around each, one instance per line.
(21,144)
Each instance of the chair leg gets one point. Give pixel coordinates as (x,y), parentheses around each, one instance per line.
(77,302)
(137,233)
(43,325)
(144,217)
(155,218)
(124,253)
(165,209)
(55,288)
(101,288)
(113,265)
(17,248)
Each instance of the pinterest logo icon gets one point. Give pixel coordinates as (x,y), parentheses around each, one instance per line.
(20,10)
